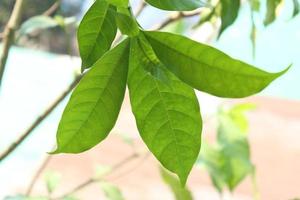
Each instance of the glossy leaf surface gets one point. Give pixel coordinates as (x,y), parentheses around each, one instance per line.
(95,103)
(166,111)
(178,5)
(96,32)
(208,69)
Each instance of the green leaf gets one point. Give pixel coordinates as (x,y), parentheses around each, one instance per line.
(206,16)
(208,69)
(95,104)
(52,180)
(255,5)
(296,8)
(167,113)
(119,3)
(212,160)
(180,192)
(228,161)
(127,23)
(271,11)
(229,13)
(111,192)
(176,5)
(36,23)
(96,32)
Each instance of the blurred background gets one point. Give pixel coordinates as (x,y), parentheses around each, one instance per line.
(257,158)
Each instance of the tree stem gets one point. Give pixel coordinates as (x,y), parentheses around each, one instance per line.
(9,34)
(39,120)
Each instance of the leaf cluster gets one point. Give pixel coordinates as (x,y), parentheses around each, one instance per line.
(161,71)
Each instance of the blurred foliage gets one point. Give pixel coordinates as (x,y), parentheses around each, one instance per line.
(228,160)
(180,193)
(32,8)
(61,38)
(111,191)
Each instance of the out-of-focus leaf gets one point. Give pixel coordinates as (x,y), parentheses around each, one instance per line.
(36,23)
(96,32)
(271,11)
(208,69)
(52,180)
(253,35)
(111,191)
(70,198)
(255,5)
(206,16)
(101,171)
(22,197)
(229,13)
(180,192)
(176,5)
(296,7)
(95,104)
(228,161)
(167,113)
(212,160)
(64,21)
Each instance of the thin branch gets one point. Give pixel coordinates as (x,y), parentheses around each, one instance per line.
(38,174)
(176,17)
(140,8)
(9,34)
(95,180)
(53,8)
(40,119)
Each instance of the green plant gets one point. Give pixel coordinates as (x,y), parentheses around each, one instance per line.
(161,71)
(228,161)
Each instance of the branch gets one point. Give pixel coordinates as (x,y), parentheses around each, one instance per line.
(38,121)
(53,8)
(9,34)
(95,180)
(140,8)
(176,17)
(38,174)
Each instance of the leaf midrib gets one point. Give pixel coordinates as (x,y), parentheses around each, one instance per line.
(98,100)
(203,63)
(99,31)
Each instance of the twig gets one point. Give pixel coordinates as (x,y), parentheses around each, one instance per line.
(38,121)
(9,34)
(38,174)
(140,8)
(175,18)
(131,169)
(53,8)
(95,180)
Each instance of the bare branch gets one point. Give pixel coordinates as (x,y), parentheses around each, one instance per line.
(95,180)
(9,34)
(38,174)
(176,17)
(140,8)
(53,8)
(40,119)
